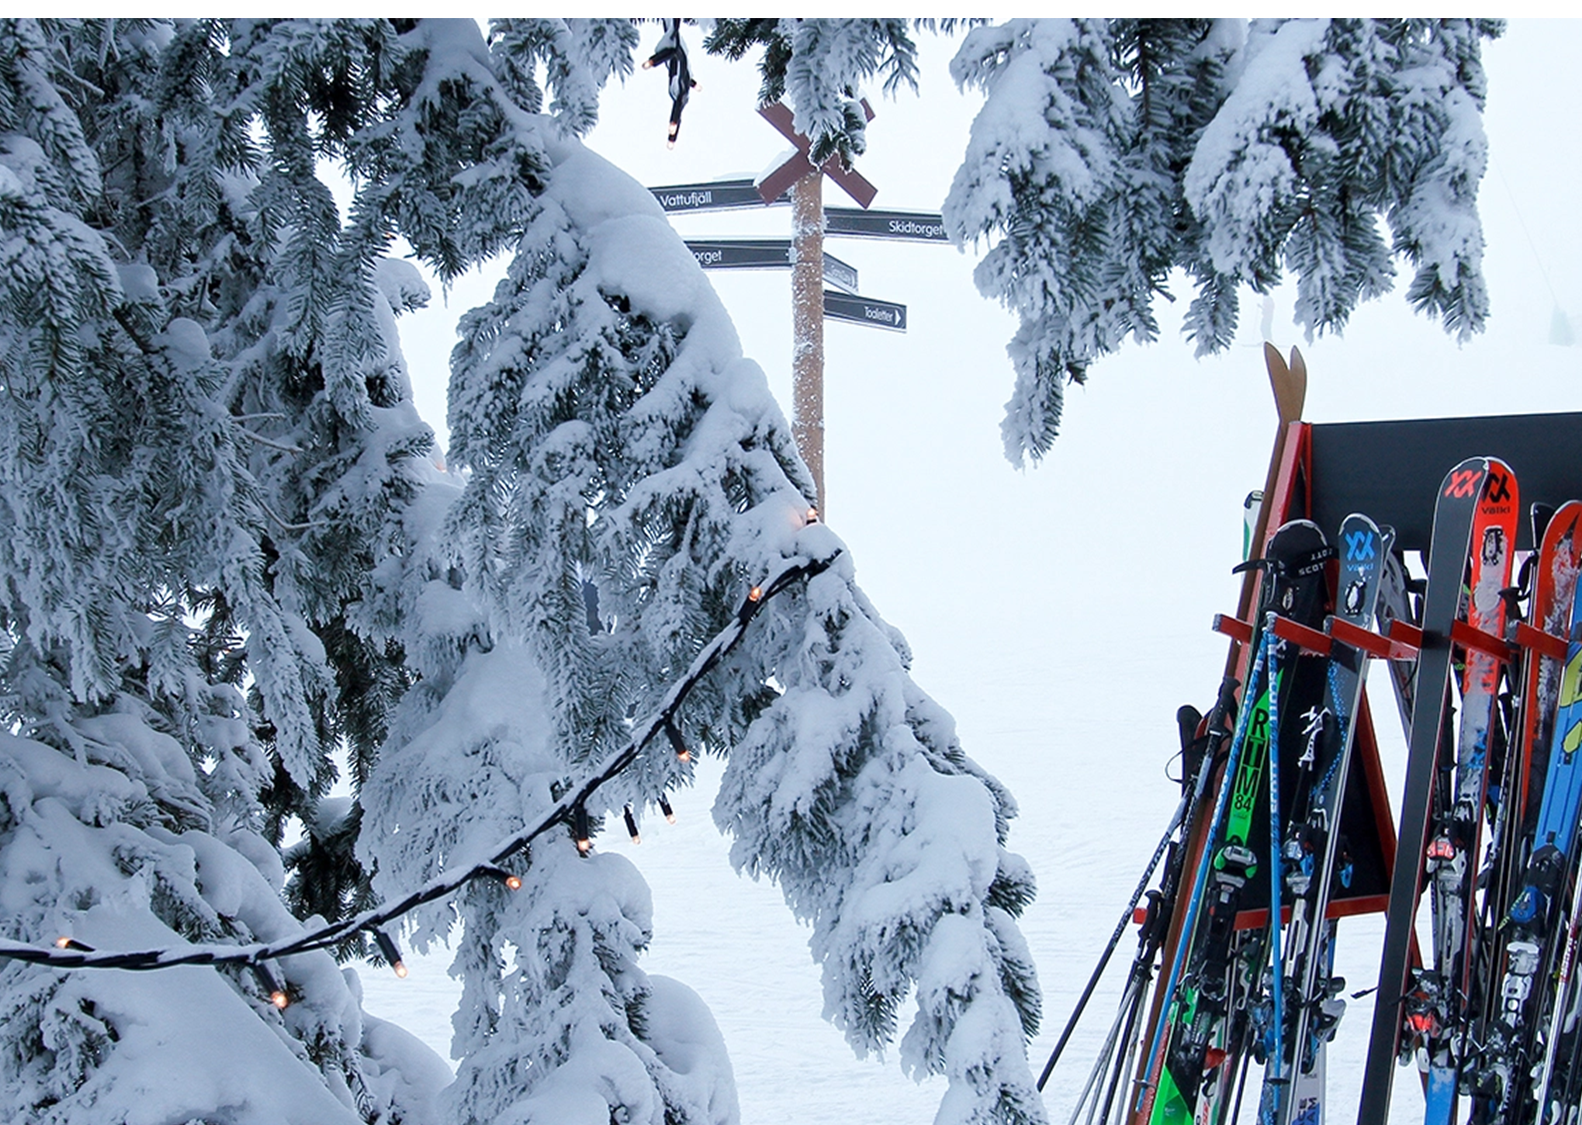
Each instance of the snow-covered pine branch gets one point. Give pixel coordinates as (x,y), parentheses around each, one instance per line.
(819,66)
(616,442)
(1110,152)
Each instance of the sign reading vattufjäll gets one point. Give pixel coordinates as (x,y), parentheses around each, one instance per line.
(719,195)
(864,310)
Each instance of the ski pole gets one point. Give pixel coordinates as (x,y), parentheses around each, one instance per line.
(1101,1066)
(1276,839)
(1120,928)
(1188,800)
(1128,1056)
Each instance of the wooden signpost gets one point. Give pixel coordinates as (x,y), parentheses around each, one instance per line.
(797,180)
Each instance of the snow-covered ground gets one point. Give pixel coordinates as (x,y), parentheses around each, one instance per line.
(1061,613)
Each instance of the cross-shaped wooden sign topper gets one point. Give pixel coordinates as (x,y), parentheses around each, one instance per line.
(797,165)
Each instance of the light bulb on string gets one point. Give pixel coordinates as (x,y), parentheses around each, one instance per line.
(64,942)
(664,807)
(812,515)
(266,981)
(506,879)
(677,743)
(580,830)
(388,950)
(631,825)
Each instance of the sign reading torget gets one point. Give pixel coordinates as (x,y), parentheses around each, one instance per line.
(765,254)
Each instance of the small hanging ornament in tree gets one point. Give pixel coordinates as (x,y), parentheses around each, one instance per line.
(671,53)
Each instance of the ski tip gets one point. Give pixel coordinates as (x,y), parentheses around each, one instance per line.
(1288,381)
(1298,367)
(1275,362)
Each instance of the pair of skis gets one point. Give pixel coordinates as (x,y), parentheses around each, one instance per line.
(1293,1087)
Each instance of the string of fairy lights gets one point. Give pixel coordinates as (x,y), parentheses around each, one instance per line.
(571,809)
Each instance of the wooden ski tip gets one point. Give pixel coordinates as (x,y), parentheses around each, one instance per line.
(1289,382)
(1299,378)
(1274,361)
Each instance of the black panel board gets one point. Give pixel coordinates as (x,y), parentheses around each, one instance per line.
(1361,852)
(1391,471)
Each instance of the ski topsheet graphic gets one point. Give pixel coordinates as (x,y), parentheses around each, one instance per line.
(1439,1007)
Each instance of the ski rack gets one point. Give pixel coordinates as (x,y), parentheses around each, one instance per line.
(1390,471)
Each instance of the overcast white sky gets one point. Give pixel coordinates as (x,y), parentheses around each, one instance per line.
(1060,612)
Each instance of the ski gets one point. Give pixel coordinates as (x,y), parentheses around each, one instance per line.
(1559,1075)
(1311,843)
(1528,940)
(1459,496)
(1439,1023)
(1556,1081)
(1193,1037)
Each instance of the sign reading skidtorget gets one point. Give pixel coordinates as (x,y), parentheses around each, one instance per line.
(913,226)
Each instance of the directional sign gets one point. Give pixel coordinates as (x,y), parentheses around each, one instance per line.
(764,254)
(839,274)
(742,254)
(864,310)
(720,195)
(914,226)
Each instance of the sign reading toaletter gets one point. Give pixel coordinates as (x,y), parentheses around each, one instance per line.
(864,310)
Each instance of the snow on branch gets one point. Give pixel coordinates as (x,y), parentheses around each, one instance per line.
(71,954)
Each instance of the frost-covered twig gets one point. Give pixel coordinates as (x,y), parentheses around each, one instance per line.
(279,520)
(271,443)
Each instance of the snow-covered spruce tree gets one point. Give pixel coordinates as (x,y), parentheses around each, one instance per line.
(141,588)
(629,477)
(1109,152)
(206,384)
